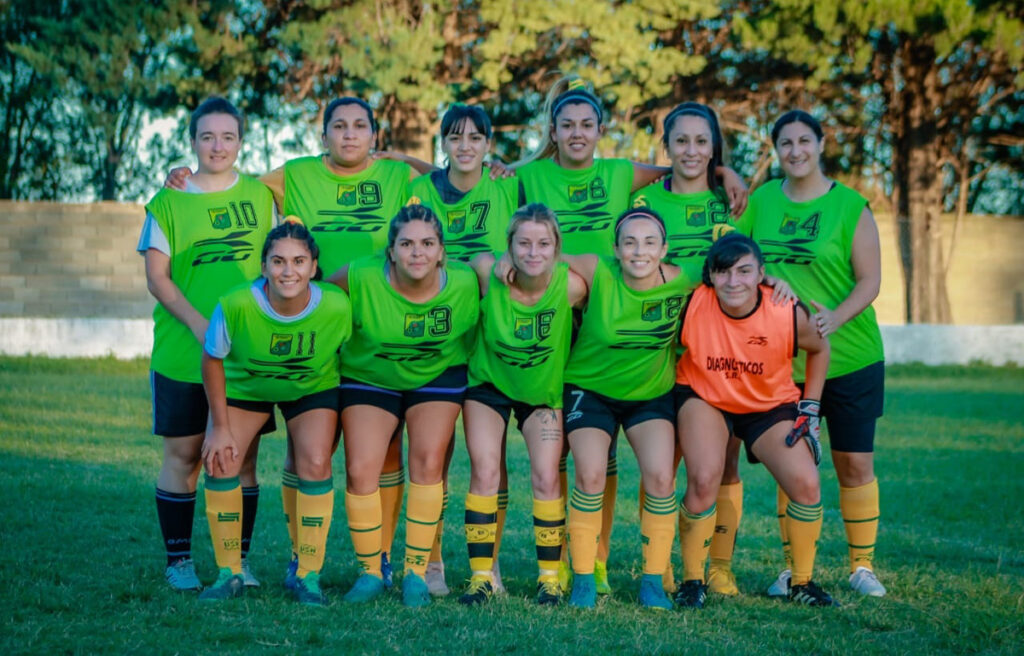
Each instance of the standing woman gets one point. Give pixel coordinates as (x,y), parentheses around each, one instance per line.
(275,341)
(517,365)
(821,237)
(629,327)
(198,244)
(412,316)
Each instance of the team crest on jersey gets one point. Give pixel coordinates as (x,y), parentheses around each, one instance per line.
(220,218)
(696,215)
(651,311)
(524,328)
(577,193)
(280,344)
(415,325)
(809,225)
(346,194)
(456,221)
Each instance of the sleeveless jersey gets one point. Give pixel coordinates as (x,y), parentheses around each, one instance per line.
(347,214)
(626,346)
(215,241)
(809,246)
(586,201)
(401,345)
(478,221)
(739,365)
(284,360)
(691,222)
(522,349)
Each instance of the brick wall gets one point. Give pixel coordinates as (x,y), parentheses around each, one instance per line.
(59,260)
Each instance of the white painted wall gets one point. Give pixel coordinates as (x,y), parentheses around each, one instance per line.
(130,338)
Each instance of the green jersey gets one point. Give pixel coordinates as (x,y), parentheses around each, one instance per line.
(586,201)
(626,346)
(809,245)
(347,214)
(215,241)
(522,349)
(475,221)
(401,345)
(690,223)
(276,358)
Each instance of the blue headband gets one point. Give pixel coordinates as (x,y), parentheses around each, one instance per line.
(575,97)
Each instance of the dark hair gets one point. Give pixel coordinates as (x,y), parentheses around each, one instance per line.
(348,100)
(455,118)
(796,116)
(292,228)
(640,213)
(215,105)
(727,251)
(567,90)
(717,148)
(414,212)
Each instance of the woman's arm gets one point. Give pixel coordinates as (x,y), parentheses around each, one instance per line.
(578,290)
(809,339)
(735,189)
(167,293)
(866,260)
(419,167)
(219,447)
(274,181)
(645,174)
(582,265)
(482,265)
(340,278)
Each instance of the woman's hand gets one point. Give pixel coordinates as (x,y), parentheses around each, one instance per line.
(177,178)
(219,449)
(825,320)
(781,291)
(499,169)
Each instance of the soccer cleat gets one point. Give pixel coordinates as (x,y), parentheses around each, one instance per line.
(564,575)
(478,591)
(691,594)
(584,591)
(366,588)
(227,586)
(386,573)
(549,591)
(499,587)
(250,580)
(780,587)
(864,581)
(722,581)
(290,573)
(435,579)
(307,591)
(181,575)
(652,594)
(415,593)
(809,594)
(601,578)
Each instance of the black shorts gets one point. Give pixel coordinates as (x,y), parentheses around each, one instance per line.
(449,386)
(494,399)
(851,405)
(327,399)
(180,409)
(585,409)
(747,426)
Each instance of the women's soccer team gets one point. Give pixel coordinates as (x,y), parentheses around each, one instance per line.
(579,295)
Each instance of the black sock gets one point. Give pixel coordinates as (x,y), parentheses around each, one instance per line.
(250,502)
(176,511)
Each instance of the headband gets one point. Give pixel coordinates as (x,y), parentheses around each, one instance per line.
(575,96)
(640,215)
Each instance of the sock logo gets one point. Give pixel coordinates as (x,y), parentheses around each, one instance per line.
(229,516)
(307,549)
(316,522)
(477,534)
(232,544)
(417,560)
(549,537)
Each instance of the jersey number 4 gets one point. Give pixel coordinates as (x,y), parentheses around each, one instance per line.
(809,226)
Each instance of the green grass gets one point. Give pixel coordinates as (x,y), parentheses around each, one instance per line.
(82,563)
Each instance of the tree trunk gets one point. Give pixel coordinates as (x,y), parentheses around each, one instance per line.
(409,130)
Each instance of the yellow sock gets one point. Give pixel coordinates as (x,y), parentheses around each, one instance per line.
(657,528)
(727,523)
(500,528)
(563,482)
(481,528)
(611,489)
(392,487)
(435,548)
(781,502)
(421,515)
(224,514)
(584,529)
(859,507)
(548,533)
(364,526)
(803,525)
(289,488)
(695,541)
(314,505)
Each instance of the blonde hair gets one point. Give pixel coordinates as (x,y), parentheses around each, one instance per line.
(532,213)
(567,90)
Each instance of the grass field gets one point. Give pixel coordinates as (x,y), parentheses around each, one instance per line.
(82,565)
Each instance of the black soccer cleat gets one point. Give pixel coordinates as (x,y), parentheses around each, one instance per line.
(810,594)
(691,594)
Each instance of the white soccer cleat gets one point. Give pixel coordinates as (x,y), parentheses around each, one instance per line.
(496,584)
(780,587)
(182,575)
(434,579)
(864,581)
(250,580)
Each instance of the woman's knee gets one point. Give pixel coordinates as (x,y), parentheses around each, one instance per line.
(545,483)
